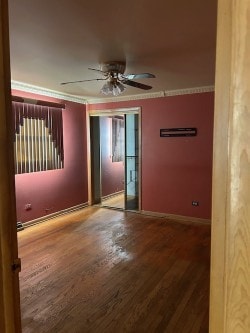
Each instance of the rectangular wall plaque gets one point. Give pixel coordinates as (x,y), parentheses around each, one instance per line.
(174,132)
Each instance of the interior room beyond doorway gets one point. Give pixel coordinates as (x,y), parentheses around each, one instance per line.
(112,142)
(115,158)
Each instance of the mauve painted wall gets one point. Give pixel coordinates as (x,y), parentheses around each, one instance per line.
(55,190)
(175,171)
(112,174)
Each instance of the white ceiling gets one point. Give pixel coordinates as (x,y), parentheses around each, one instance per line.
(52,41)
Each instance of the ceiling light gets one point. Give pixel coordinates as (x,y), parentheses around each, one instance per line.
(107,88)
(112,87)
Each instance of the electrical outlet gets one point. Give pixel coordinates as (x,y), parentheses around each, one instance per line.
(195,203)
(28,206)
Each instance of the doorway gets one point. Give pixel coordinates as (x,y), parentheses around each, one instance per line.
(114,168)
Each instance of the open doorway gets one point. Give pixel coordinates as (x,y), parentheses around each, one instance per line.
(112,141)
(115,158)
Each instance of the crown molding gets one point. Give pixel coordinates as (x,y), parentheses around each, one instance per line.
(166,93)
(189,91)
(72,98)
(46,92)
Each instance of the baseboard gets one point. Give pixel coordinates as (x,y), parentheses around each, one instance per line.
(179,218)
(53,215)
(112,195)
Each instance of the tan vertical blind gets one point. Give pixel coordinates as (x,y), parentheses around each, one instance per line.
(38,139)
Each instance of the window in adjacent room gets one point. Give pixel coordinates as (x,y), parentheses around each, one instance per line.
(38,141)
(117,139)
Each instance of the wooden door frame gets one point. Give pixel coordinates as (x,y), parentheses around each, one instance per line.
(230,246)
(112,112)
(10,321)
(230,287)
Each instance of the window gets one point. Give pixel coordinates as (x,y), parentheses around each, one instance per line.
(38,141)
(117,139)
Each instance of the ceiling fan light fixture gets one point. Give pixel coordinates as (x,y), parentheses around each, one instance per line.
(107,88)
(118,88)
(114,88)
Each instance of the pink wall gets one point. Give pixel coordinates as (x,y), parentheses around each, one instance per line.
(175,171)
(112,174)
(55,190)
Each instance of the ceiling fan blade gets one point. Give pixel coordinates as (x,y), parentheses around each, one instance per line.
(136,84)
(97,70)
(63,83)
(139,76)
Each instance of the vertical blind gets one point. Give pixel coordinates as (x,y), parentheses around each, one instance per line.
(38,140)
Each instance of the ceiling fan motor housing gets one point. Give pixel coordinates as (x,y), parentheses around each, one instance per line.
(113,67)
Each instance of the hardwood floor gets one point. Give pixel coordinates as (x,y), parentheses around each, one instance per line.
(100,270)
(116,201)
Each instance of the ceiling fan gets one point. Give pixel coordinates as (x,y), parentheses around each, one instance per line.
(113,73)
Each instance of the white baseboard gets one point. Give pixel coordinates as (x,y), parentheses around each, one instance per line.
(53,215)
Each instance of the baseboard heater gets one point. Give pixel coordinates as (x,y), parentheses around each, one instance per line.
(19,226)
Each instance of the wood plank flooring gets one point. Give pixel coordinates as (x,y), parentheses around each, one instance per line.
(100,270)
(116,201)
